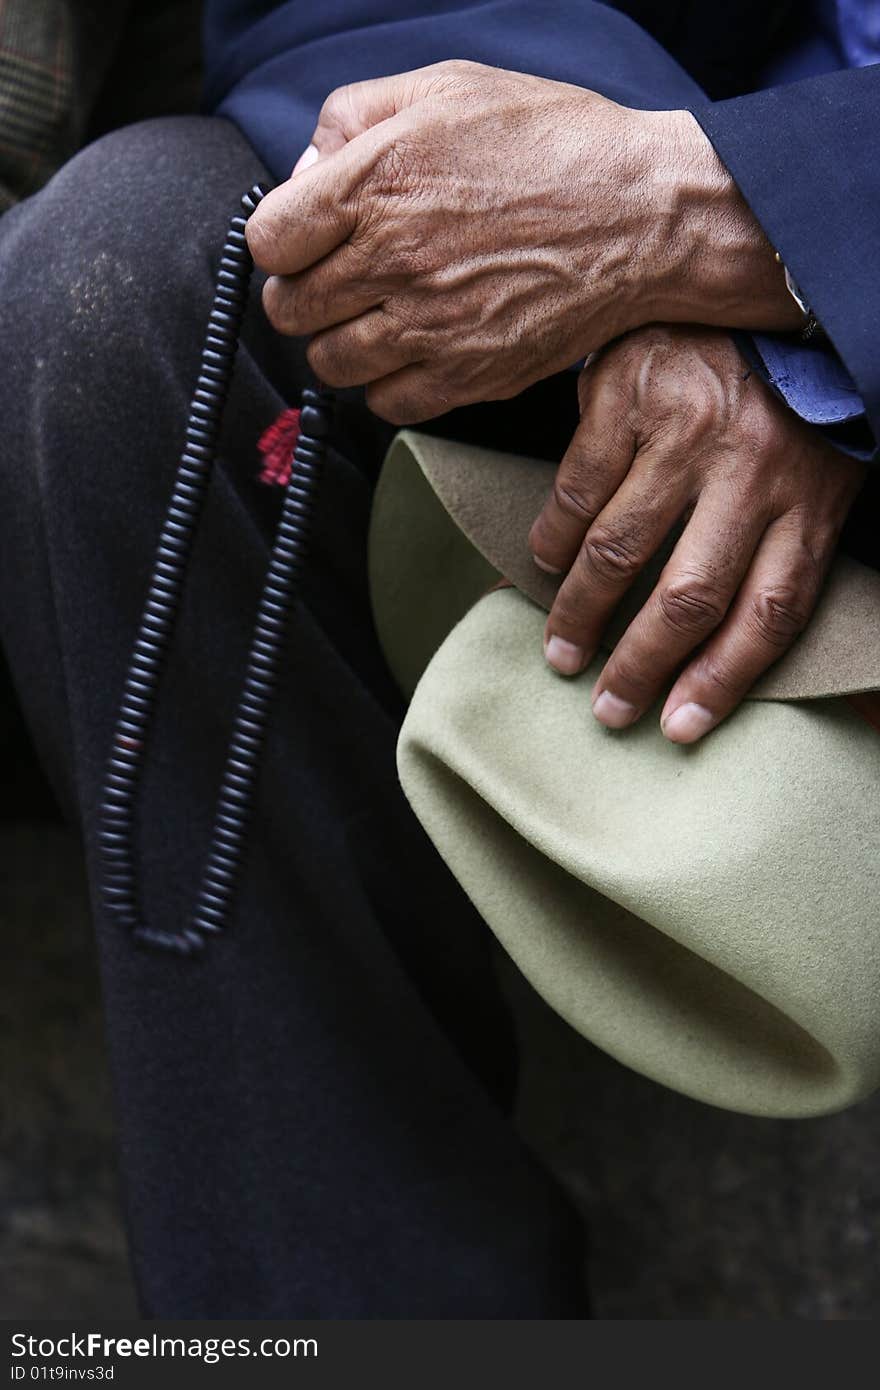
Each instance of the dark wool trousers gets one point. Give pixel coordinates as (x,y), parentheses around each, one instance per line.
(313,1118)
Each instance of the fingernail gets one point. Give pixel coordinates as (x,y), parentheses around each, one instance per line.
(613,712)
(564,657)
(687,723)
(542,565)
(307,158)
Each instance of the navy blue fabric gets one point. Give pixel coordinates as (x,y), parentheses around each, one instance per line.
(723,48)
(270,66)
(272,74)
(805,157)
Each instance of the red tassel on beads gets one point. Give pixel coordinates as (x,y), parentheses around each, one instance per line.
(277,444)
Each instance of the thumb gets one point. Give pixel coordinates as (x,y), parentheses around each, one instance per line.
(301,221)
(308,217)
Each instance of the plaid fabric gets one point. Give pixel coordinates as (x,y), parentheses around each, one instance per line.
(39,122)
(71,69)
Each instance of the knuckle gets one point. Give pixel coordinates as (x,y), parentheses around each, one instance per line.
(699,408)
(454,73)
(778,615)
(340,359)
(406,255)
(407,326)
(610,558)
(337,105)
(383,406)
(691,605)
(817,538)
(396,169)
(458,67)
(571,500)
(722,680)
(686,408)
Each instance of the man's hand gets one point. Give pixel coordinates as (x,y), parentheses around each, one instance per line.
(674,425)
(457,233)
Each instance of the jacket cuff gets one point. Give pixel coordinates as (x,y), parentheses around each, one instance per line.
(815,384)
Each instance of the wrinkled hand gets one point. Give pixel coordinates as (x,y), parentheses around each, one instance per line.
(456,233)
(674,424)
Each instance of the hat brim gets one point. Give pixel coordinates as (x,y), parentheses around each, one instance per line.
(450,517)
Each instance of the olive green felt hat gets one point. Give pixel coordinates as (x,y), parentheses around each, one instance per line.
(708,914)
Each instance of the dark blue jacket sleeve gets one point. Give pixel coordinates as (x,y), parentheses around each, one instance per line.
(806,159)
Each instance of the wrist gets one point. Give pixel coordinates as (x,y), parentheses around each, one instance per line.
(713,262)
